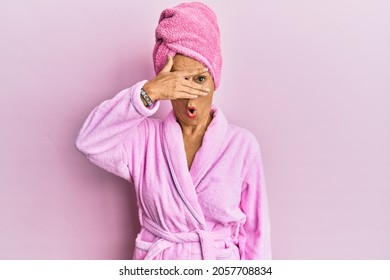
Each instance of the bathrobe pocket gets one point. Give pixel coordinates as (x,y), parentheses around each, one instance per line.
(226,250)
(140,250)
(143,248)
(163,249)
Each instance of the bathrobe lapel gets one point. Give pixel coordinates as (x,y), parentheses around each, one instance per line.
(186,181)
(212,141)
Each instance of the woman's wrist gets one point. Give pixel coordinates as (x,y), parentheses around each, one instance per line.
(150,92)
(146,99)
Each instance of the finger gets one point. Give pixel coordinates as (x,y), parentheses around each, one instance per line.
(191,84)
(198,89)
(168,65)
(192,91)
(186,95)
(192,72)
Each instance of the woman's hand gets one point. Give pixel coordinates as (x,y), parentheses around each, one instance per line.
(175,85)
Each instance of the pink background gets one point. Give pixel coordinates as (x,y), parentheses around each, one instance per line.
(309,78)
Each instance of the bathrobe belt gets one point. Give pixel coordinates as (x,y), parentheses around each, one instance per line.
(167,239)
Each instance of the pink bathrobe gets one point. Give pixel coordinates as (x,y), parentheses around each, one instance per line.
(216,210)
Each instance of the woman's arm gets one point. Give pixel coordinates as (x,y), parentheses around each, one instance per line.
(101,138)
(254,237)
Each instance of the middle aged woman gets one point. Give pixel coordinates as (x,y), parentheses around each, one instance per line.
(199,181)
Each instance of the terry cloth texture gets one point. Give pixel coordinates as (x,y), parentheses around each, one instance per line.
(216,210)
(189,29)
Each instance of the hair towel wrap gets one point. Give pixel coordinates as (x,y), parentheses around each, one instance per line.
(189,29)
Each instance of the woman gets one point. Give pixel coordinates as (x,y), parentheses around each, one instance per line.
(199,180)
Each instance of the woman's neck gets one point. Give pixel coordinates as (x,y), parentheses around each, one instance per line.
(198,129)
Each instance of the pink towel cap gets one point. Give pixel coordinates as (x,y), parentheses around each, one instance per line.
(189,29)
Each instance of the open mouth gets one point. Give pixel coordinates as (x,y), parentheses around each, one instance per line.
(191,112)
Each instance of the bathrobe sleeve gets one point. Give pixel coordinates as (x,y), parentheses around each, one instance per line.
(113,126)
(254,235)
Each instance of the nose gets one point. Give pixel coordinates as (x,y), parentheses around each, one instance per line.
(191,103)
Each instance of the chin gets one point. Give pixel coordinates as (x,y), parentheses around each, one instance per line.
(193,121)
(187,121)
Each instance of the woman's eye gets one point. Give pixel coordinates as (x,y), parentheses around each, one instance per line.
(201,79)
